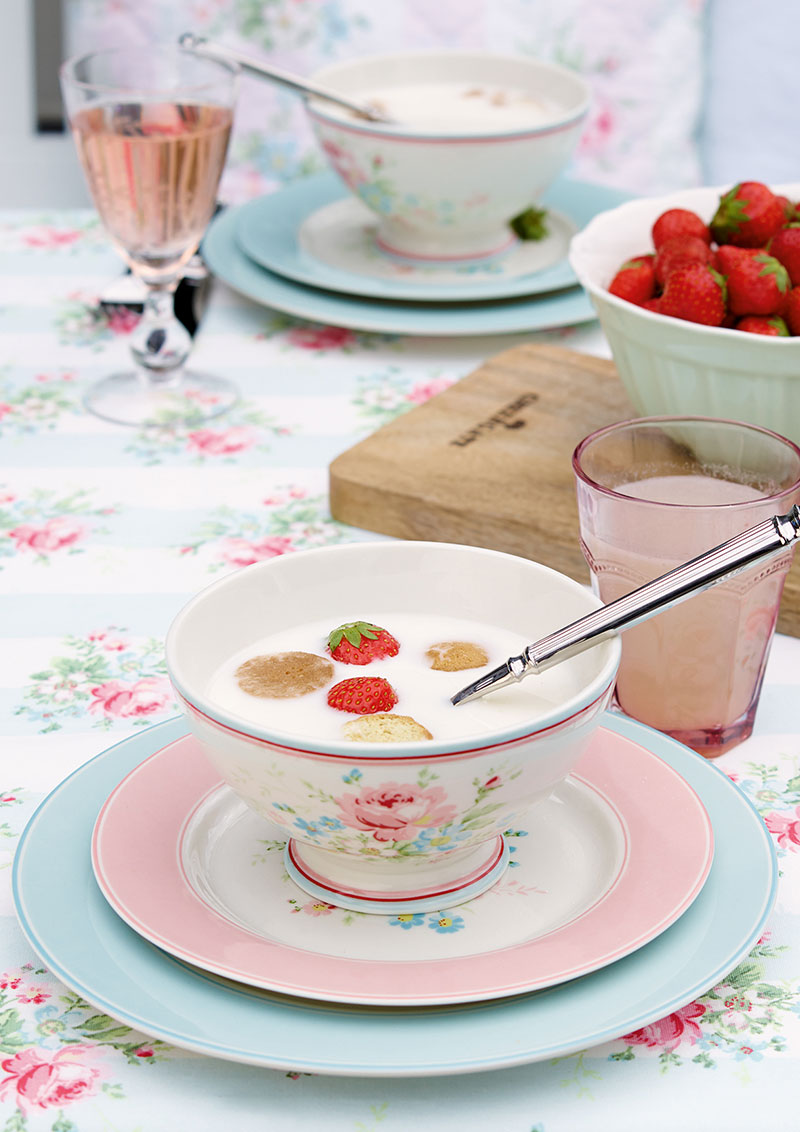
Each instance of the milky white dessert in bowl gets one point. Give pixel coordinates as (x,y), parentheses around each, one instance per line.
(414,823)
(671,367)
(478,139)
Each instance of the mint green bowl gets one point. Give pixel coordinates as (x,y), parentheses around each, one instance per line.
(667,365)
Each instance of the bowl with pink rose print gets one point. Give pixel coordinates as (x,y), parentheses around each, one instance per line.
(474,140)
(318,683)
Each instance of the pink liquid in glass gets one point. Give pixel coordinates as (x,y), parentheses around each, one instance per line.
(153,171)
(698,666)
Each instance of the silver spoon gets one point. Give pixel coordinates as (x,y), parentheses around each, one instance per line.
(197,45)
(708,569)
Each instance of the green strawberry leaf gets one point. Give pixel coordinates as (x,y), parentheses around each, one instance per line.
(353,632)
(721,282)
(731,214)
(773,267)
(531,224)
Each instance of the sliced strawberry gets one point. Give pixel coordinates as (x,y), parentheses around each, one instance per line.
(635,280)
(363,695)
(361,642)
(679,222)
(748,216)
(757,284)
(696,293)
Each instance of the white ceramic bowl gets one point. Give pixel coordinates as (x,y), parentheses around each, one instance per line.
(384,827)
(677,368)
(448,196)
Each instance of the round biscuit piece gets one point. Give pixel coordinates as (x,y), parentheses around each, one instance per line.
(385,727)
(284,675)
(453,656)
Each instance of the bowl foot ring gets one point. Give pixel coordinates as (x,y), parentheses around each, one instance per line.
(483,868)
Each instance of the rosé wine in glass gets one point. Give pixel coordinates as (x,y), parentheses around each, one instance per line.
(153,170)
(151,126)
(653,494)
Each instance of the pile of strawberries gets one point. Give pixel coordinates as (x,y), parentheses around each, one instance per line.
(741,271)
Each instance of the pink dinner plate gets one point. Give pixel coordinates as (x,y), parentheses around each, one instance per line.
(605,865)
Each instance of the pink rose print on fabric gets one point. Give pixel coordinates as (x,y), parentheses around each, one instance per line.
(668,1033)
(40,1078)
(245,552)
(221,442)
(424,390)
(123,320)
(395,811)
(123,700)
(47,237)
(320,337)
(599,132)
(55,534)
(785,830)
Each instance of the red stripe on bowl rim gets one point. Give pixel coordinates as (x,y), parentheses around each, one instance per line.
(346,755)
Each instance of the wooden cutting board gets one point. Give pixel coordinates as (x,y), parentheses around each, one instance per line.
(488,462)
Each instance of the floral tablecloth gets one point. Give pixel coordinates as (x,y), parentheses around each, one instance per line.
(104,533)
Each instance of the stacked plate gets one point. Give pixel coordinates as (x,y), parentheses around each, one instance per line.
(635,888)
(309,250)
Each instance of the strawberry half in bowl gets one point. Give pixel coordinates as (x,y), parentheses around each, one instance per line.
(389,798)
(673,366)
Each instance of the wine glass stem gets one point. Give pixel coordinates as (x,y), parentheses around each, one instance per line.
(160,344)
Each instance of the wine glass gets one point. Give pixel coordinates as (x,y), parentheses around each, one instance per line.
(151,125)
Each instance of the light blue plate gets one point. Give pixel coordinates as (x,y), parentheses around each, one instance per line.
(267,230)
(228,262)
(84,943)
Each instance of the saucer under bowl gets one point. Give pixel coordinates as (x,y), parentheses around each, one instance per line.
(393,827)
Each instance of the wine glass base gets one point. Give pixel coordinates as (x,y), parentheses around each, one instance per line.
(129,399)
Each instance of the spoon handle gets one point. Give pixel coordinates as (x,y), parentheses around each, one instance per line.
(717,565)
(206,50)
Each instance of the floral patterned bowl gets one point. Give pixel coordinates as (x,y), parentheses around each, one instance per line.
(449,196)
(388,827)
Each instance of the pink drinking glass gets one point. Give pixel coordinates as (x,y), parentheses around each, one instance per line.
(656,492)
(151,125)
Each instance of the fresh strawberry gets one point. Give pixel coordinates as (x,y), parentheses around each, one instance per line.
(653,305)
(677,251)
(360,642)
(363,695)
(696,293)
(774,327)
(679,222)
(748,216)
(788,208)
(727,255)
(785,246)
(757,284)
(635,280)
(791,311)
